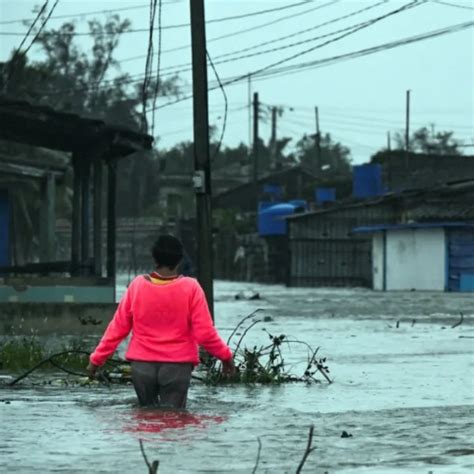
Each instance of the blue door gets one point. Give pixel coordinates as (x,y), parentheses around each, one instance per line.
(4,229)
(460,259)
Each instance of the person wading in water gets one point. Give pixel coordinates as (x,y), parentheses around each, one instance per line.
(169,318)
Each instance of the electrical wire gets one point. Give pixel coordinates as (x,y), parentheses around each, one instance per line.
(451,4)
(185,25)
(25,52)
(158,67)
(88,13)
(242,31)
(187,67)
(226,104)
(148,66)
(266,70)
(300,32)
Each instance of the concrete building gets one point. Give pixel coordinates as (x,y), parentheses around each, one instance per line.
(435,256)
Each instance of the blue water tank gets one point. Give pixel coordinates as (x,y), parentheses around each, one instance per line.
(299,204)
(265,204)
(367,181)
(270,220)
(323,195)
(4,229)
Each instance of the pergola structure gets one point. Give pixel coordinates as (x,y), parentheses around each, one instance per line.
(93,145)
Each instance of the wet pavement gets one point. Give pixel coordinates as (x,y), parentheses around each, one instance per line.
(403,388)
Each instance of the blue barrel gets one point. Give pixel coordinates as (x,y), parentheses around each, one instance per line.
(323,195)
(367,181)
(271,220)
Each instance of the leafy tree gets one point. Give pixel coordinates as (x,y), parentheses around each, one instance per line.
(335,157)
(71,80)
(425,141)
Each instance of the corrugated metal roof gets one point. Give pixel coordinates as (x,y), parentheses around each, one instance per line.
(414,225)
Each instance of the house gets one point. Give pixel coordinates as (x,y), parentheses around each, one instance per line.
(403,170)
(422,256)
(324,251)
(291,183)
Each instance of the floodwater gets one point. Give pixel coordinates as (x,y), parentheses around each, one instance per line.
(403,388)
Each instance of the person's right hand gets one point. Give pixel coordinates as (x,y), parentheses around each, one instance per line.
(228,367)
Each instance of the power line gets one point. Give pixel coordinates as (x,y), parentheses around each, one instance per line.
(187,67)
(40,29)
(300,32)
(278,72)
(242,31)
(349,30)
(355,54)
(139,77)
(158,65)
(185,25)
(451,4)
(88,13)
(226,105)
(267,69)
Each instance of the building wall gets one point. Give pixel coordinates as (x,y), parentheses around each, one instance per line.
(378,264)
(416,259)
(323,250)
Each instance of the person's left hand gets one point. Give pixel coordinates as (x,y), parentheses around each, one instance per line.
(91,370)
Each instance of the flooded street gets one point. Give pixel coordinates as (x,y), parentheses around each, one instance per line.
(403,388)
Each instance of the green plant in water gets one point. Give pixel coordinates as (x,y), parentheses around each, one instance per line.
(264,364)
(20,353)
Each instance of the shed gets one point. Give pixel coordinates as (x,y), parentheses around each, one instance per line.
(324,251)
(94,147)
(422,256)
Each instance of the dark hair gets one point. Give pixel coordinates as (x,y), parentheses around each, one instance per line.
(167,251)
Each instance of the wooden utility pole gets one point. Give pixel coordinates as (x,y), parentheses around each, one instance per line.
(256,110)
(317,141)
(202,165)
(389,141)
(249,93)
(407,129)
(273,147)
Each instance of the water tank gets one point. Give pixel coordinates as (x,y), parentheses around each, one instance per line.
(300,204)
(367,180)
(323,195)
(270,220)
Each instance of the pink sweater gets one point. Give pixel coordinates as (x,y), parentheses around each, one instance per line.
(168,322)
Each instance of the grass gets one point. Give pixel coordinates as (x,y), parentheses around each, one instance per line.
(23,353)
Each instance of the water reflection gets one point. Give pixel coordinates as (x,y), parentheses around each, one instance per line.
(153,420)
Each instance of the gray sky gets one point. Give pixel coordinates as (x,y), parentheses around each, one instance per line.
(359,99)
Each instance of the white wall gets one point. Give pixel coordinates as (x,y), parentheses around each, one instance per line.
(377,261)
(416,259)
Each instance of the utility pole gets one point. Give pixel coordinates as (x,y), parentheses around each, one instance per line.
(256,110)
(202,174)
(273,138)
(407,129)
(317,141)
(389,141)
(249,98)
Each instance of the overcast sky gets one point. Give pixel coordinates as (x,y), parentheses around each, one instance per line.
(359,99)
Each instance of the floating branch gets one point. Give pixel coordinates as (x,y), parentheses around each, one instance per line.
(153,467)
(258,455)
(308,451)
(459,322)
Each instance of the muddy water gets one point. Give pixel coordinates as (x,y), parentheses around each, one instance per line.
(404,393)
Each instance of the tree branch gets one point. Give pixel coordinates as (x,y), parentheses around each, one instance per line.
(308,451)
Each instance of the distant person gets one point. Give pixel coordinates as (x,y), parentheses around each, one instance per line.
(168,316)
